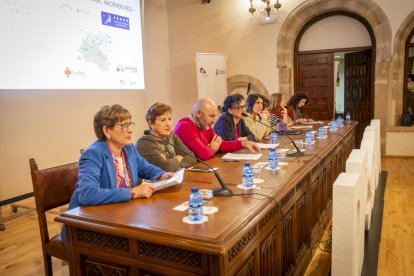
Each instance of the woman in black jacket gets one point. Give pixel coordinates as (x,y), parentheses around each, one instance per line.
(230,125)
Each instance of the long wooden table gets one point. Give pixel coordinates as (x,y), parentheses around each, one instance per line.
(249,235)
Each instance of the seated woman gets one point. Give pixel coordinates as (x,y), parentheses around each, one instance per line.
(109,168)
(257,113)
(152,145)
(277,110)
(230,125)
(294,105)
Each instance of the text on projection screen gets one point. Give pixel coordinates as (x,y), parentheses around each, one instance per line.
(76,44)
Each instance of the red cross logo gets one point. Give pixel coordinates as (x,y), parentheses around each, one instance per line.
(67,72)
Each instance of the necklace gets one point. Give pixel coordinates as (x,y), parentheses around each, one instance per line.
(122,170)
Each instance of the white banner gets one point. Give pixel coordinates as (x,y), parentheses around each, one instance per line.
(212,76)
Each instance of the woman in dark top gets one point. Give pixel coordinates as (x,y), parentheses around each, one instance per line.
(294,105)
(230,125)
(152,147)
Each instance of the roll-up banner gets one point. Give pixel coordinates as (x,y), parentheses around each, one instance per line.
(212,76)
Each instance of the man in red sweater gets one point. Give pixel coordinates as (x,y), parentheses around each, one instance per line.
(197,133)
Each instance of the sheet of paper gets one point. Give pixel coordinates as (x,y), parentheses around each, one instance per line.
(267,146)
(176,179)
(241,156)
(301,127)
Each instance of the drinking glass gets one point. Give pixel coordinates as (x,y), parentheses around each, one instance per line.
(257,180)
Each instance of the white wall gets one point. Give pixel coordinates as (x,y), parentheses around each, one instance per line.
(335,32)
(339,93)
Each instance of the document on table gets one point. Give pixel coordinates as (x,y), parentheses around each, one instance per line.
(176,179)
(300,127)
(241,156)
(267,146)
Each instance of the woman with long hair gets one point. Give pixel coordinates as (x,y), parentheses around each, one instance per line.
(277,110)
(294,106)
(258,116)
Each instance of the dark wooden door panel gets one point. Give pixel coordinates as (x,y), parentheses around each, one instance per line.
(315,79)
(358,89)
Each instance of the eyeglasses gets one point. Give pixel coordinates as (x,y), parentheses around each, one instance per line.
(125,126)
(240,107)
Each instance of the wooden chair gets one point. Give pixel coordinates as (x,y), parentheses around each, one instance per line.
(52,188)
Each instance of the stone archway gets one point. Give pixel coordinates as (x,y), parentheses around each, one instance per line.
(398,82)
(308,10)
(242,81)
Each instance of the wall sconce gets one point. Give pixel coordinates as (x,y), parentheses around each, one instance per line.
(265,8)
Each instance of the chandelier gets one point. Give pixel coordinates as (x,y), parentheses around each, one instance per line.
(267,7)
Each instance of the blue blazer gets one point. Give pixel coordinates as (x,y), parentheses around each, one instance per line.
(97,178)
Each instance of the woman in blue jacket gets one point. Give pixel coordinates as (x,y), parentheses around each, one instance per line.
(109,168)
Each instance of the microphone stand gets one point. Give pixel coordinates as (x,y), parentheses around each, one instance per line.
(223,191)
(293,154)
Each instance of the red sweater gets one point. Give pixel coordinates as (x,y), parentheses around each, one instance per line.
(197,140)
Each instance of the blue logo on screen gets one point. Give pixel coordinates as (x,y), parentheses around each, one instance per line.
(113,20)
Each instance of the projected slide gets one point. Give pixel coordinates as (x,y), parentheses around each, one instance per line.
(72,44)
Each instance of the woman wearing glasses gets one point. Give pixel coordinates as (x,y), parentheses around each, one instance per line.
(109,168)
(157,143)
(230,125)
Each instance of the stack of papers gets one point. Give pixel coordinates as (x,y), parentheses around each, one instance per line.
(176,179)
(267,146)
(242,156)
(301,127)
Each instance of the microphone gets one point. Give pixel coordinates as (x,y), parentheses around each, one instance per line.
(223,191)
(293,154)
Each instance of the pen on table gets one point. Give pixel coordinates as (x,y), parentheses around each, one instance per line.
(229,160)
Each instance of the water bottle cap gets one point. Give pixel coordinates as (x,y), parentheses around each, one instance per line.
(273,149)
(247,164)
(194,190)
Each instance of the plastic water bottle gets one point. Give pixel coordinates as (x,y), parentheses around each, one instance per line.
(313,137)
(247,176)
(273,137)
(339,122)
(332,125)
(321,131)
(348,117)
(273,160)
(308,137)
(195,210)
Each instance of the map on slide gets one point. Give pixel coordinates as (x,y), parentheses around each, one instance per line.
(77,44)
(95,48)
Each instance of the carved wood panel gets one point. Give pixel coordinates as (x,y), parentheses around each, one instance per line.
(289,254)
(302,232)
(269,259)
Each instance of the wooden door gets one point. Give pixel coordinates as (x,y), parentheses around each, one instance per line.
(358,90)
(316,80)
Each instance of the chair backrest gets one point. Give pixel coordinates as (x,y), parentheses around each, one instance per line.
(52,188)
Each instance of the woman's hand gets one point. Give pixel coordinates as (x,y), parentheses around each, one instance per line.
(265,116)
(165,176)
(143,190)
(179,158)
